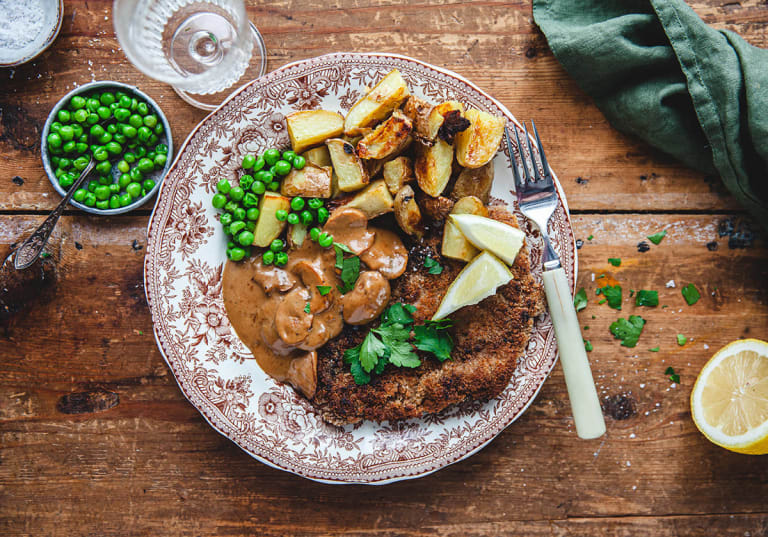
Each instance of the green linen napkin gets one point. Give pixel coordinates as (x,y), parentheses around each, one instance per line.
(657,71)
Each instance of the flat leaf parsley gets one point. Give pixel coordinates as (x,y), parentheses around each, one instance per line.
(433,266)
(628,330)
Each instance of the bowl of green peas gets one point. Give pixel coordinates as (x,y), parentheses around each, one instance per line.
(123,130)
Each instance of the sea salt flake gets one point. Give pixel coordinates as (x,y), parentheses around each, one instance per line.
(670,283)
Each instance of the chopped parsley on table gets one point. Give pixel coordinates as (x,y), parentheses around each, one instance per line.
(628,330)
(647,298)
(657,237)
(674,377)
(588,345)
(681,339)
(433,266)
(612,294)
(655,349)
(580,300)
(615,261)
(690,294)
(391,343)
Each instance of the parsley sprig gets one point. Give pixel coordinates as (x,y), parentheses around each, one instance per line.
(391,343)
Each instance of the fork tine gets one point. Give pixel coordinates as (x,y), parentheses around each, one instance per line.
(535,167)
(544,163)
(522,158)
(519,185)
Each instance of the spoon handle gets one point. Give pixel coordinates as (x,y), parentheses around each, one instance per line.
(30,249)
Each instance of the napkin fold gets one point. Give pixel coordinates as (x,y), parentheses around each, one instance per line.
(657,71)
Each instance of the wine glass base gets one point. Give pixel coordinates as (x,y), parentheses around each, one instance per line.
(256,68)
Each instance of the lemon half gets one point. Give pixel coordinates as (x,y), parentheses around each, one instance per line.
(499,238)
(729,401)
(477,281)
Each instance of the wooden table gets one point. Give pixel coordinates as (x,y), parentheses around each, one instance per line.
(96,438)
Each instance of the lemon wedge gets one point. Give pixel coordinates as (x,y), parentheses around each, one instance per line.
(729,402)
(478,280)
(502,240)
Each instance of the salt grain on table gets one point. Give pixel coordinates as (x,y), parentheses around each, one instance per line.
(21,21)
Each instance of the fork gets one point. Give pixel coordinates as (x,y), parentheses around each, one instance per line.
(538,199)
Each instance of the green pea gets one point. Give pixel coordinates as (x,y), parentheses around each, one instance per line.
(293,218)
(112,128)
(245,238)
(114,188)
(134,189)
(107,98)
(101,155)
(77,131)
(55,126)
(274,186)
(123,166)
(158,130)
(273,171)
(148,184)
(225,218)
(226,229)
(92,185)
(277,245)
(55,161)
(125,199)
(119,138)
(264,176)
(299,162)
(236,227)
(92,118)
(142,108)
(124,180)
(144,134)
(102,192)
(314,233)
(66,133)
(105,180)
(64,116)
(146,165)
(306,217)
(96,131)
(223,186)
(81,148)
(134,104)
(248,162)
(136,121)
(103,112)
(54,140)
(288,155)
(81,116)
(246,181)
(231,206)
(124,101)
(250,199)
(114,148)
(281,258)
(161,148)
(65,163)
(104,138)
(283,167)
(81,163)
(281,215)
(150,121)
(129,157)
(258,187)
(129,131)
(259,164)
(104,168)
(140,152)
(252,213)
(54,150)
(79,195)
(90,199)
(322,215)
(136,174)
(325,240)
(152,139)
(77,102)
(151,155)
(268,257)
(69,147)
(271,156)
(121,114)
(239,214)
(114,201)
(102,205)
(66,180)
(297,203)
(236,193)
(91,104)
(160,161)
(219,201)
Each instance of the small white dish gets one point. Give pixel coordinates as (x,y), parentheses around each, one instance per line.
(46,30)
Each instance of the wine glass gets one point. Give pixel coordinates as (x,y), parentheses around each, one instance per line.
(200,47)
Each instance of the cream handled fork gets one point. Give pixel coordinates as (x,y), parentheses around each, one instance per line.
(537,199)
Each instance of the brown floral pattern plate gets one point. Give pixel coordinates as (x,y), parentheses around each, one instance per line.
(216,372)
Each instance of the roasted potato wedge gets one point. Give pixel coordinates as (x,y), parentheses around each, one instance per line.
(418,111)
(385,139)
(433,167)
(477,145)
(434,209)
(296,235)
(385,96)
(319,156)
(407,212)
(268,227)
(310,182)
(447,116)
(348,168)
(455,245)
(374,200)
(308,128)
(373,167)
(398,172)
(474,182)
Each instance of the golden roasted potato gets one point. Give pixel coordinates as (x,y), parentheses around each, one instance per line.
(474,182)
(373,167)
(374,200)
(397,172)
(296,235)
(348,168)
(308,128)
(433,167)
(455,245)
(446,116)
(310,182)
(318,156)
(268,227)
(407,212)
(385,139)
(478,144)
(385,96)
(434,209)
(418,111)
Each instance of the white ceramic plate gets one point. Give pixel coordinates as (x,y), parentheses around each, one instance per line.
(216,372)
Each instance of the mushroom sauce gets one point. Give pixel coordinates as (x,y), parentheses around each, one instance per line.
(267,305)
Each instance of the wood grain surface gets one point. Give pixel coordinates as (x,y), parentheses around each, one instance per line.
(96,439)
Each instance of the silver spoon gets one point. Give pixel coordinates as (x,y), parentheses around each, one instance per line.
(30,249)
